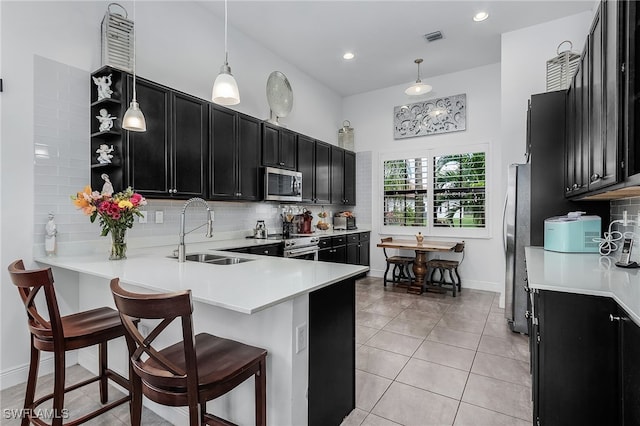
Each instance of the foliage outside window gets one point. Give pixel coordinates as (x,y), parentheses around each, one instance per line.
(437,191)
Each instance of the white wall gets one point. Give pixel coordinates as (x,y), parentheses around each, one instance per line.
(371,115)
(180,44)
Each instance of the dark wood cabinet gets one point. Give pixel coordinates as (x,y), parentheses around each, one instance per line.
(349,178)
(574,359)
(629,374)
(278,147)
(337,175)
(235,156)
(168,160)
(349,248)
(268,250)
(358,249)
(333,249)
(314,164)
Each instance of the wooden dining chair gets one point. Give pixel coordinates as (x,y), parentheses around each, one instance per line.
(401,266)
(188,373)
(59,334)
(442,266)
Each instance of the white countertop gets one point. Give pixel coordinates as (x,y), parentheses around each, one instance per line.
(245,287)
(583,273)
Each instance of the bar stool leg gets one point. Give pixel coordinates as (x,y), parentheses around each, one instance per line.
(261,395)
(31,382)
(58,386)
(102,360)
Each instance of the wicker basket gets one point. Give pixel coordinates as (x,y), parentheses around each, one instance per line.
(561,69)
(117,39)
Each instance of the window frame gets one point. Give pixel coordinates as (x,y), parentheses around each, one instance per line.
(430,230)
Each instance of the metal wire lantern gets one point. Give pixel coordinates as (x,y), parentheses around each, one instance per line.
(345,136)
(117,39)
(561,69)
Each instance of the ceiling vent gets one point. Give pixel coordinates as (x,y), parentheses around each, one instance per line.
(436,35)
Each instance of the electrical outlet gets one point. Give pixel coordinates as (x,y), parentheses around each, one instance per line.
(159,216)
(143,218)
(301,337)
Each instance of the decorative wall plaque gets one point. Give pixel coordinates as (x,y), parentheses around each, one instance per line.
(431,117)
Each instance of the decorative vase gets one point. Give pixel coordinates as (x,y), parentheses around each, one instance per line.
(118,243)
(419,238)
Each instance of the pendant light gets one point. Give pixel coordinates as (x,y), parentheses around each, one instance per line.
(133,119)
(225,89)
(418,88)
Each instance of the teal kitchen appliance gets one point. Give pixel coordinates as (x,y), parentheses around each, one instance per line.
(572,233)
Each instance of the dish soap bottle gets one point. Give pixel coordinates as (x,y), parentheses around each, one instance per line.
(50,236)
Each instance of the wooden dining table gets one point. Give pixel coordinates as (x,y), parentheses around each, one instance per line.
(420,264)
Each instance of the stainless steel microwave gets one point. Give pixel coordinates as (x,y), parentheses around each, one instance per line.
(282,185)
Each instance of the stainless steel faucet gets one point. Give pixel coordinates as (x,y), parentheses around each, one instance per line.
(182,254)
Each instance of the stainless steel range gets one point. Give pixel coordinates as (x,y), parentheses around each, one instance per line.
(302,246)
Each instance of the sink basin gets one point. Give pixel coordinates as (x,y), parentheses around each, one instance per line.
(216,259)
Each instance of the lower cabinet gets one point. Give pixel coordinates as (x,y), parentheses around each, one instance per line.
(333,249)
(275,249)
(350,248)
(358,249)
(584,355)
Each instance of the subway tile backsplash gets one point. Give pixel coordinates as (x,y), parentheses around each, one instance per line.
(62,126)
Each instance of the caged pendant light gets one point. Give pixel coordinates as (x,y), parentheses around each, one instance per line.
(418,88)
(225,89)
(133,119)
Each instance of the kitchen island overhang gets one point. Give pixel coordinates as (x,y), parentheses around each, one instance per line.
(265,302)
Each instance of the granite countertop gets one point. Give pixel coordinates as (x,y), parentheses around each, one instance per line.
(585,273)
(246,287)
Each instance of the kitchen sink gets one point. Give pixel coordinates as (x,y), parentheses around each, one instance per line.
(216,259)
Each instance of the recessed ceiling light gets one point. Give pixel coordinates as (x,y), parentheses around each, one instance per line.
(480,16)
(348,56)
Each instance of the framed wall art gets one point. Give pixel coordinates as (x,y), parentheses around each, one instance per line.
(430,117)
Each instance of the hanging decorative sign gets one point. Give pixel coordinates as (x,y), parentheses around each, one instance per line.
(430,117)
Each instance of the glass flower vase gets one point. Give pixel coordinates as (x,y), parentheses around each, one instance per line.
(118,243)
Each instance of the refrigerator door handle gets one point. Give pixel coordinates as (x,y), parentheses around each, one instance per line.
(504,222)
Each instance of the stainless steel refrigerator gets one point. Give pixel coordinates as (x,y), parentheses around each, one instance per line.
(535,191)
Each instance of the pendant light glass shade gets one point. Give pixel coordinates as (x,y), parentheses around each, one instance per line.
(418,88)
(133,119)
(225,89)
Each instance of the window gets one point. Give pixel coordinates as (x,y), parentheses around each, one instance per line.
(443,192)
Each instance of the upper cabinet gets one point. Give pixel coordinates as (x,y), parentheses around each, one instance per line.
(314,164)
(343,176)
(168,160)
(596,134)
(278,147)
(234,155)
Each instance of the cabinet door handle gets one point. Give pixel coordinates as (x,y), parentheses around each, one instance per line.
(281,163)
(595,177)
(613,318)
(576,186)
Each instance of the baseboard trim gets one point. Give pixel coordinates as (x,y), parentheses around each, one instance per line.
(17,375)
(466,283)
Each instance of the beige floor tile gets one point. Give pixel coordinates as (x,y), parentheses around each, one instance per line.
(369,389)
(355,418)
(498,329)
(428,305)
(496,317)
(509,348)
(451,356)
(408,405)
(368,319)
(364,333)
(390,309)
(470,312)
(382,363)
(418,329)
(507,369)
(471,415)
(436,378)
(458,338)
(417,315)
(462,323)
(497,395)
(373,420)
(394,342)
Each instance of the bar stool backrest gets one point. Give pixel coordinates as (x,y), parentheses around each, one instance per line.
(384,249)
(29,284)
(156,368)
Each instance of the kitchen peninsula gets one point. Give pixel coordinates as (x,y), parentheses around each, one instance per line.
(302,312)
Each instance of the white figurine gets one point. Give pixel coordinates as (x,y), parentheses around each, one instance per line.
(107,188)
(51,230)
(106,120)
(104,154)
(104,86)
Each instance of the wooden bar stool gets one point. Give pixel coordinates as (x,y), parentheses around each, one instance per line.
(192,371)
(59,335)
(451,267)
(401,266)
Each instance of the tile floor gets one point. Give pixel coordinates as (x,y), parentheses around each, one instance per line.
(437,360)
(421,360)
